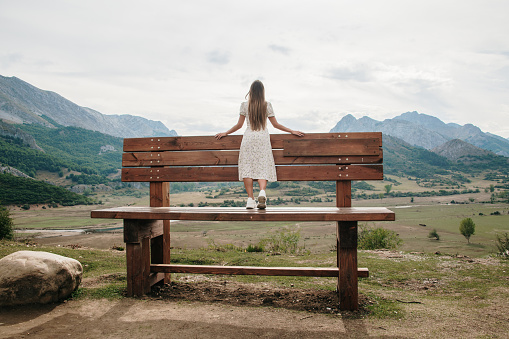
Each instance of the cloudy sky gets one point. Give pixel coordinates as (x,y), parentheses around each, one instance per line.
(189,63)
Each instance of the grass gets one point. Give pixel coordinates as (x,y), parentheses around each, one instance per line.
(394,276)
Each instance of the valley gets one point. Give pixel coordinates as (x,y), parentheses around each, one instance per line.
(415,217)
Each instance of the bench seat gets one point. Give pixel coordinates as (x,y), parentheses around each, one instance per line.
(243,214)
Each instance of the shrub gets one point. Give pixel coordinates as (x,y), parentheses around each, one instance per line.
(282,242)
(254,248)
(503,245)
(6,224)
(377,238)
(467,228)
(433,234)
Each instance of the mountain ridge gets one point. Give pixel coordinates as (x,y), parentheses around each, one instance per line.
(425,131)
(21,102)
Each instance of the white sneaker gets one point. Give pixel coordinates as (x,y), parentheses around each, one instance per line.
(262,200)
(250,204)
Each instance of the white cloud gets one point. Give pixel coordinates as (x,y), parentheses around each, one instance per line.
(189,64)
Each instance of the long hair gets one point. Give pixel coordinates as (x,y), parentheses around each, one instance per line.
(257,108)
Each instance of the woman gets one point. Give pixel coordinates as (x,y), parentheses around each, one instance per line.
(256,161)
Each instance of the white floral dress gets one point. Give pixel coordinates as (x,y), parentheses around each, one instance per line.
(255,157)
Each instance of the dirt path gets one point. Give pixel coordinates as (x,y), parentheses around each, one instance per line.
(131,318)
(241,310)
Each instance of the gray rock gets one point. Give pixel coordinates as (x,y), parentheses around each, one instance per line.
(37,277)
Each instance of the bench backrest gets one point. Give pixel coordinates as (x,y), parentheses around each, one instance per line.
(314,157)
(340,157)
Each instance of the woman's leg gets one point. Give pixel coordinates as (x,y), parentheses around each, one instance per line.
(263,184)
(248,184)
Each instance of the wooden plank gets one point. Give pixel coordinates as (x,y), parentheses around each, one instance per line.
(284,173)
(331,147)
(347,264)
(231,142)
(226,158)
(251,270)
(239,214)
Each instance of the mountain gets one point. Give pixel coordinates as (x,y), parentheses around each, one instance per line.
(22,103)
(10,131)
(457,149)
(425,131)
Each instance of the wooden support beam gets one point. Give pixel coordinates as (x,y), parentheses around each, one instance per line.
(347,264)
(253,270)
(160,246)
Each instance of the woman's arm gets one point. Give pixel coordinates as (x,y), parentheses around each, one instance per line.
(277,125)
(237,126)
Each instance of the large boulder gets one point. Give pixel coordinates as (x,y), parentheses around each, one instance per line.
(37,277)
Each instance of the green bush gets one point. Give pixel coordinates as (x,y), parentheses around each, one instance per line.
(6,224)
(254,248)
(377,238)
(433,234)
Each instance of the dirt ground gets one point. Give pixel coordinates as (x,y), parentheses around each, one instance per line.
(225,309)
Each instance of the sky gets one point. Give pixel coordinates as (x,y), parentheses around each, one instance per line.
(190,63)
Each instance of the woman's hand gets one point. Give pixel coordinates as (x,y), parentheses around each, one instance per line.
(220,135)
(297,133)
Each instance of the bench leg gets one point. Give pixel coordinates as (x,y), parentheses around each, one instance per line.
(138,268)
(137,236)
(347,264)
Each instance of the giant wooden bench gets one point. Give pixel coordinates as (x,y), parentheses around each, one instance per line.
(339,157)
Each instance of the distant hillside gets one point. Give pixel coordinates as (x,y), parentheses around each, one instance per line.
(457,149)
(8,130)
(403,159)
(424,131)
(467,157)
(29,191)
(21,103)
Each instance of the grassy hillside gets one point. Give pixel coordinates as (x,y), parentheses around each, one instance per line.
(18,155)
(20,191)
(79,147)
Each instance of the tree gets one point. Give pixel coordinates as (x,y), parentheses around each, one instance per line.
(467,228)
(388,188)
(6,223)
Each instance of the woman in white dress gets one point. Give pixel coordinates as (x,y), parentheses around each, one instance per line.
(256,161)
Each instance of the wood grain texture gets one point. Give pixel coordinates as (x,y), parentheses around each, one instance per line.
(227,158)
(135,213)
(135,229)
(331,147)
(160,246)
(226,174)
(251,270)
(231,142)
(344,193)
(347,264)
